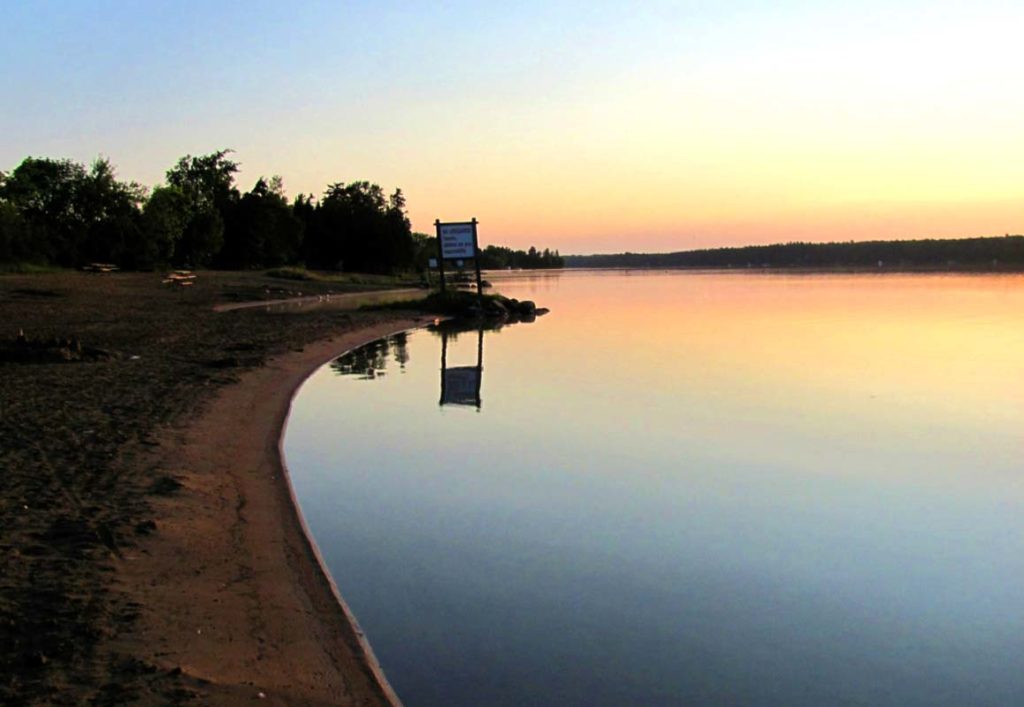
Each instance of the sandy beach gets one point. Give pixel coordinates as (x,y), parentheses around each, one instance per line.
(230,590)
(153,550)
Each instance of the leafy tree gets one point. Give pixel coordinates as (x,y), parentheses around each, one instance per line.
(164,220)
(43,191)
(262,229)
(67,214)
(110,213)
(397,249)
(357,228)
(201,240)
(12,233)
(424,248)
(207,183)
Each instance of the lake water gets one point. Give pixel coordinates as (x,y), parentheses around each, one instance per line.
(686,488)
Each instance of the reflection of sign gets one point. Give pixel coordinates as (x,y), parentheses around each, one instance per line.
(456,240)
(461,386)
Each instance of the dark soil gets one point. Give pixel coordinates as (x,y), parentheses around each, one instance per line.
(91,366)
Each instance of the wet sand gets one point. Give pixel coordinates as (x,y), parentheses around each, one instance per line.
(152,554)
(231,591)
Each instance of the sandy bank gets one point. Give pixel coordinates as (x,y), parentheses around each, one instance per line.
(229,590)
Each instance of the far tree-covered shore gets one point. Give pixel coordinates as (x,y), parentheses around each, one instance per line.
(995,253)
(57,212)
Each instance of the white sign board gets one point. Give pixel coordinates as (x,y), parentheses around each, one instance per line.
(456,240)
(461,385)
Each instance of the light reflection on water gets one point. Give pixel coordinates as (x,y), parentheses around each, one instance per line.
(687,489)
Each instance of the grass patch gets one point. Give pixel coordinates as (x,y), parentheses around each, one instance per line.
(454,303)
(292,274)
(28,269)
(343,278)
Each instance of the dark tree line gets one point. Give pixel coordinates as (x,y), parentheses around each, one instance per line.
(492,257)
(62,213)
(356,227)
(499,258)
(1006,252)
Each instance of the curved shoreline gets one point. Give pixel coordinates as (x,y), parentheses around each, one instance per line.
(232,590)
(365,649)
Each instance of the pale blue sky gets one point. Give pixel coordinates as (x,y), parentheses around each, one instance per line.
(583,125)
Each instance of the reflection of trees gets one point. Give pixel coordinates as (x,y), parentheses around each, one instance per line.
(370,361)
(401,342)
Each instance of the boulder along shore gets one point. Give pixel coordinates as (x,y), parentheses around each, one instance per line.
(153,552)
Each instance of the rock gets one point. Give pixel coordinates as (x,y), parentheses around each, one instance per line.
(497,307)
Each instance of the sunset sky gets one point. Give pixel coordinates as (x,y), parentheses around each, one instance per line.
(582,126)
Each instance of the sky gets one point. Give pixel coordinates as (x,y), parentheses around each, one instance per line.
(581,126)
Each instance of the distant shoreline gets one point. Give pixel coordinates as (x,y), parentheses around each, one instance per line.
(837,269)
(997,254)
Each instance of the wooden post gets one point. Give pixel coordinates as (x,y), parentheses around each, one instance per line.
(479,363)
(476,262)
(440,252)
(444,362)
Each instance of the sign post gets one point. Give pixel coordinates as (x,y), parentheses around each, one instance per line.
(458,241)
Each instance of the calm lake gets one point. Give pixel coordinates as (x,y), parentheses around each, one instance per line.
(685,488)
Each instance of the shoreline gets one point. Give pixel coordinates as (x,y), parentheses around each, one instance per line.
(248,611)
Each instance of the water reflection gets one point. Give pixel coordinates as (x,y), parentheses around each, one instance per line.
(697,489)
(370,361)
(460,385)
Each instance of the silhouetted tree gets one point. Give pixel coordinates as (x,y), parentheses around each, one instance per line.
(424,248)
(358,229)
(261,229)
(67,214)
(164,220)
(207,183)
(12,234)
(109,210)
(43,193)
